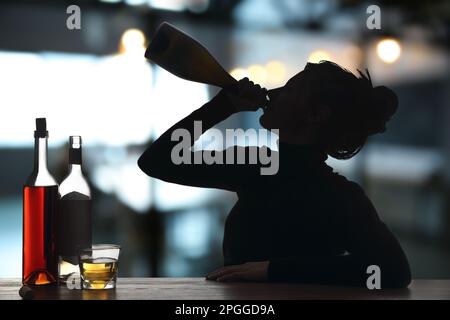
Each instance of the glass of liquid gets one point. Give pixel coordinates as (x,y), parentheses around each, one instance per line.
(98,266)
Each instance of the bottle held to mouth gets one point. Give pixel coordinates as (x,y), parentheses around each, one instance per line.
(185,57)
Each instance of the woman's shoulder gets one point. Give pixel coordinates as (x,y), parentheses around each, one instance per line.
(343,183)
(354,200)
(348,190)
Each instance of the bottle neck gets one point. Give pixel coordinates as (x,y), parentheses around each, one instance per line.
(75,168)
(40,155)
(75,180)
(75,156)
(40,175)
(75,162)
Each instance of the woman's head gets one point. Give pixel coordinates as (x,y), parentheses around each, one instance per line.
(329,106)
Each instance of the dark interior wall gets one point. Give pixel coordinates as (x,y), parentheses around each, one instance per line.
(421,117)
(41,27)
(17,164)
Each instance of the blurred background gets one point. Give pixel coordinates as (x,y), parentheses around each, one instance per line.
(94,82)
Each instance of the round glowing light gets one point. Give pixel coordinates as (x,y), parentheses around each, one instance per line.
(353,52)
(132,40)
(239,73)
(318,55)
(389,50)
(276,72)
(257,74)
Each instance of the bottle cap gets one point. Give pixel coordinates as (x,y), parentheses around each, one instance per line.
(75,150)
(41,128)
(75,142)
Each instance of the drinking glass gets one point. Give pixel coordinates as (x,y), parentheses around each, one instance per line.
(99,265)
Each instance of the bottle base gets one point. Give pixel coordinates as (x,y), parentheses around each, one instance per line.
(39,278)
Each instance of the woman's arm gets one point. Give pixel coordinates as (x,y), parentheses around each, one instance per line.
(157,161)
(369,242)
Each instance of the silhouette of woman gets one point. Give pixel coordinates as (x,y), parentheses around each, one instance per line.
(305,223)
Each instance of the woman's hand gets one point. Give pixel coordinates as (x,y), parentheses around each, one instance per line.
(250,271)
(246,95)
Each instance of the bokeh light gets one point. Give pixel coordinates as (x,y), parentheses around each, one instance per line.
(318,55)
(132,42)
(389,50)
(276,72)
(257,74)
(239,73)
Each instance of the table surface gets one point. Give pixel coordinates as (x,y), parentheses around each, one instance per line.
(201,289)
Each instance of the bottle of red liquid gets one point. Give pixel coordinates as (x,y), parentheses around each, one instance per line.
(40,200)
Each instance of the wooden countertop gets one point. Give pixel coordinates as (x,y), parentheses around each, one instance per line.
(201,289)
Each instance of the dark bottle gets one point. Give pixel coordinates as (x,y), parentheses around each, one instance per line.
(74,218)
(183,56)
(40,200)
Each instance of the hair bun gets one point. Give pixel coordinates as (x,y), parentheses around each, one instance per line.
(383,104)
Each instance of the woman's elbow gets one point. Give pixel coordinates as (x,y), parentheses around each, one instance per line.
(399,280)
(398,276)
(150,165)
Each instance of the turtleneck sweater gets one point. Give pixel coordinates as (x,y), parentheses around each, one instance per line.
(311,223)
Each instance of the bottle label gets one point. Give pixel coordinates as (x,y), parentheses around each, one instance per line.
(74,226)
(75,156)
